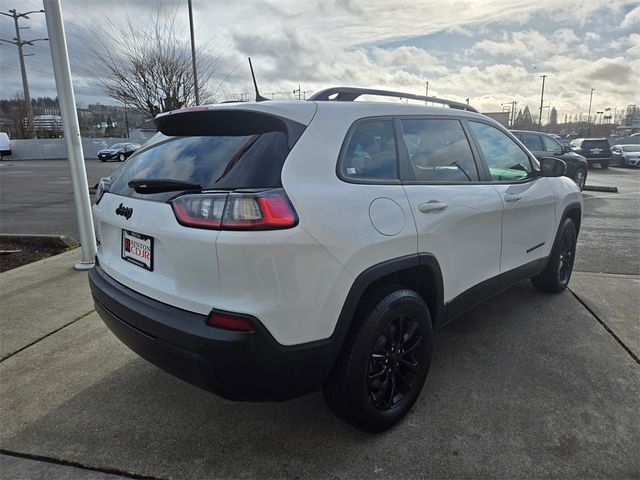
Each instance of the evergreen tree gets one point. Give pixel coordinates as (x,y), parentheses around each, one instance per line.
(517,123)
(527,121)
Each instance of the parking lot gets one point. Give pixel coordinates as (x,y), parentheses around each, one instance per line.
(527,385)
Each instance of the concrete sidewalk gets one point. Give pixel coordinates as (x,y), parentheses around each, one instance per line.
(527,385)
(39,299)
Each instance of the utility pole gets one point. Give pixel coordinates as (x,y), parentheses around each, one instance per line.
(299,92)
(72,139)
(193,55)
(426,93)
(19,43)
(589,114)
(541,102)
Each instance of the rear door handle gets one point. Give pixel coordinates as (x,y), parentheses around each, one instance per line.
(512,198)
(432,206)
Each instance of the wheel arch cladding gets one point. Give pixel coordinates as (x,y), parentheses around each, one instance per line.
(574,212)
(418,272)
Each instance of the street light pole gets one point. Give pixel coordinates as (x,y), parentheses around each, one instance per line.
(73,141)
(541,102)
(589,114)
(19,43)
(193,56)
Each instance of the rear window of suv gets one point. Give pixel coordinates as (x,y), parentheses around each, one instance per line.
(214,162)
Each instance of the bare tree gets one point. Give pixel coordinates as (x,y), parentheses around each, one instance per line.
(17,113)
(148,65)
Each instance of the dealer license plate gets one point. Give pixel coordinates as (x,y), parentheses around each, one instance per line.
(137,249)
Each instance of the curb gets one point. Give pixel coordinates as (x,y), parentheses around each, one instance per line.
(57,240)
(598,188)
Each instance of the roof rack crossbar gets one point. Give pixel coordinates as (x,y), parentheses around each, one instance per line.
(349,94)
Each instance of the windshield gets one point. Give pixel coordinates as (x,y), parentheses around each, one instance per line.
(117,146)
(225,162)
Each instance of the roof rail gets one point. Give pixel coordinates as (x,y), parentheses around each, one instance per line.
(349,94)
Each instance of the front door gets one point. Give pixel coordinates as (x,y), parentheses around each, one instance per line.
(529,203)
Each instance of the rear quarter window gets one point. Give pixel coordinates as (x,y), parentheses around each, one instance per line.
(370,152)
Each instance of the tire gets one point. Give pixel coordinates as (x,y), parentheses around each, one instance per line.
(122,158)
(102,160)
(580,177)
(556,275)
(623,162)
(604,165)
(361,387)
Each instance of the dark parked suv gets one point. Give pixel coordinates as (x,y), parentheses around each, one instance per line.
(595,150)
(543,145)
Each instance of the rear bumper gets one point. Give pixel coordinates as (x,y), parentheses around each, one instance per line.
(235,365)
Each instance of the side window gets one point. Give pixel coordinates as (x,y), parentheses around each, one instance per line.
(371,152)
(530,140)
(439,151)
(551,145)
(505,159)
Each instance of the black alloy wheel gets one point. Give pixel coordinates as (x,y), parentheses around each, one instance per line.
(384,361)
(556,275)
(567,255)
(395,362)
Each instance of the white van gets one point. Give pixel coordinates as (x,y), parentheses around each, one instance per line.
(5,145)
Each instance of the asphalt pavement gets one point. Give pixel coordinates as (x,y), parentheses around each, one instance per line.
(527,385)
(36,196)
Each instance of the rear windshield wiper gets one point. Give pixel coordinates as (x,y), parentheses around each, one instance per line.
(158,185)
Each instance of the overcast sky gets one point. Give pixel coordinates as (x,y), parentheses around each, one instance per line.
(492,51)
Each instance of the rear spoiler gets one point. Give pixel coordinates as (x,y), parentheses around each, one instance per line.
(205,121)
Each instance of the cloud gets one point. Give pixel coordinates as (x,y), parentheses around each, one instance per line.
(408,58)
(631,19)
(490,51)
(530,44)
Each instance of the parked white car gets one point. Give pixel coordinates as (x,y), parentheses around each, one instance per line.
(5,145)
(626,155)
(267,250)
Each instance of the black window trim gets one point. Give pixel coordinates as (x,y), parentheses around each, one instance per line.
(345,144)
(532,162)
(406,171)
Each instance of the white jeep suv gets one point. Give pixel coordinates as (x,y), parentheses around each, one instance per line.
(267,250)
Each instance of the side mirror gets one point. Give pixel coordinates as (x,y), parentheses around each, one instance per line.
(566,148)
(552,167)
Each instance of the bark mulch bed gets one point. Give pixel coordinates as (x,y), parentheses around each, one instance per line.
(15,254)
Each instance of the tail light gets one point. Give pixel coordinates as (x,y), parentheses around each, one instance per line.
(267,210)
